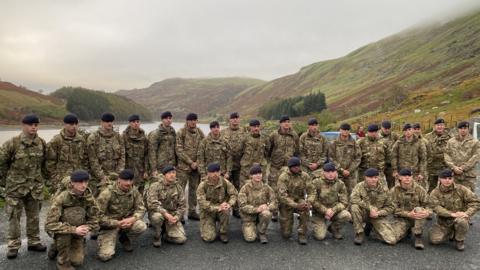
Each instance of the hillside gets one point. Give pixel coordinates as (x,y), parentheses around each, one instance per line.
(203,96)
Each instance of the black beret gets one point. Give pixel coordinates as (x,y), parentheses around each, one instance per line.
(439,121)
(445,173)
(168,169)
(254,122)
(284,119)
(191,117)
(372,128)
(108,117)
(416,126)
(30,119)
(329,167)
(79,176)
(70,119)
(345,126)
(133,117)
(371,172)
(387,124)
(214,124)
(405,172)
(166,115)
(293,161)
(255,169)
(407,126)
(463,124)
(213,167)
(234,115)
(312,122)
(126,174)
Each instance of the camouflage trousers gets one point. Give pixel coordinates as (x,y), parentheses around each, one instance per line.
(192,179)
(432,181)
(273,175)
(14,208)
(467,181)
(401,227)
(245,175)
(174,233)
(286,221)
(350,181)
(253,223)
(319,223)
(71,249)
(446,229)
(107,239)
(208,224)
(388,172)
(381,225)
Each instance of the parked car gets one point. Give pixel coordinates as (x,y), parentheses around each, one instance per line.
(332,135)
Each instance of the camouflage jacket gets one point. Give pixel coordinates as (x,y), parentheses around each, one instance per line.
(210,195)
(161,147)
(115,205)
(373,153)
(136,151)
(346,155)
(252,195)
(163,197)
(388,141)
(255,149)
(329,194)
(188,142)
(455,198)
(106,153)
(463,153)
(437,145)
(410,154)
(283,146)
(368,198)
(313,148)
(292,189)
(214,150)
(405,200)
(69,210)
(234,138)
(23,166)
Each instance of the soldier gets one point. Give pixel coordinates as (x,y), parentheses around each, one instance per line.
(410,152)
(216,196)
(214,149)
(461,155)
(161,147)
(411,207)
(257,201)
(296,194)
(66,152)
(373,152)
(122,209)
(417,131)
(313,148)
(388,138)
(166,206)
(346,154)
(136,151)
(437,143)
(454,205)
(72,215)
(106,153)
(371,204)
(23,169)
(188,143)
(330,204)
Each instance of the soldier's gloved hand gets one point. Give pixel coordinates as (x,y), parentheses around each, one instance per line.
(82,230)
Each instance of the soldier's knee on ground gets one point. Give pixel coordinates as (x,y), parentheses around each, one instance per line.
(437,236)
(208,236)
(249,231)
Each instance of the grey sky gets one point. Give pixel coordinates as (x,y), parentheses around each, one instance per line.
(124,44)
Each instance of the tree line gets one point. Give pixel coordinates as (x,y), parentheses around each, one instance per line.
(294,106)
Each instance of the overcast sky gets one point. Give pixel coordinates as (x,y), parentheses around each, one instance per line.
(124,44)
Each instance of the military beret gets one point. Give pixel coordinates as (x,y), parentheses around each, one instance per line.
(166,115)
(168,169)
(439,121)
(345,126)
(79,176)
(407,126)
(405,172)
(255,169)
(372,128)
(371,172)
(463,124)
(70,119)
(108,117)
(254,122)
(284,119)
(293,161)
(133,117)
(387,124)
(214,124)
(213,167)
(329,167)
(234,115)
(416,126)
(447,173)
(312,122)
(126,174)
(192,117)
(30,119)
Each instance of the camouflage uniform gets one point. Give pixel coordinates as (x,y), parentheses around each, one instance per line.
(313,149)
(363,199)
(346,155)
(67,212)
(255,149)
(388,141)
(212,150)
(373,156)
(411,155)
(210,195)
(23,169)
(65,154)
(161,148)
(234,138)
(329,194)
(250,197)
(187,145)
(466,154)
(116,205)
(447,200)
(136,154)
(283,146)
(437,145)
(164,197)
(292,189)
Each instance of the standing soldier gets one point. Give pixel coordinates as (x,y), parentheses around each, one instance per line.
(66,152)
(188,143)
(23,169)
(136,150)
(437,143)
(346,154)
(216,196)
(161,148)
(122,209)
(417,131)
(461,155)
(373,152)
(313,148)
(330,204)
(296,194)
(455,206)
(257,201)
(411,153)
(214,149)
(388,139)
(166,206)
(106,153)
(72,215)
